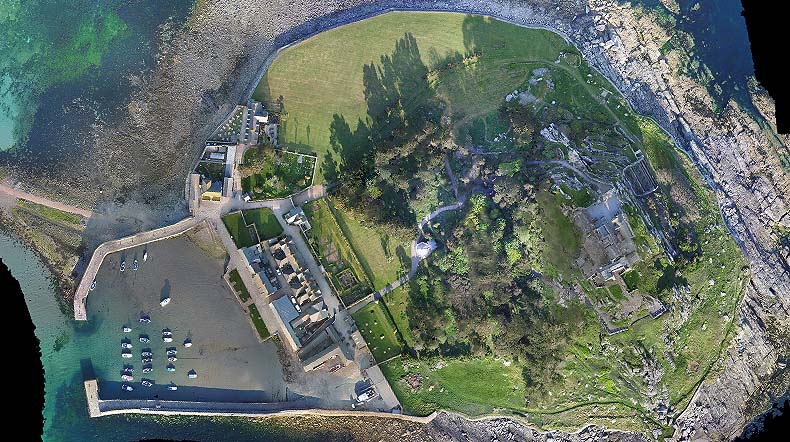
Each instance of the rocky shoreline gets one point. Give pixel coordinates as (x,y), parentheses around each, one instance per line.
(216,60)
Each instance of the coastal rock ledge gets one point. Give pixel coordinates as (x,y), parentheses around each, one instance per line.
(733,152)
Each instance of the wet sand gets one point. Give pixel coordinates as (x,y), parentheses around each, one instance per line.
(232,365)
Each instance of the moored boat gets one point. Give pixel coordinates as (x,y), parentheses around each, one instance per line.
(127,377)
(145,255)
(148,369)
(127,387)
(167,338)
(172,359)
(144,338)
(192,374)
(187,343)
(145,319)
(146,383)
(93,285)
(123,265)
(135,264)
(172,351)
(146,354)
(126,345)
(171,367)
(127,329)
(165,301)
(126,354)
(172,387)
(128,369)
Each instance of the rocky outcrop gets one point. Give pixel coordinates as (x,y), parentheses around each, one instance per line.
(211,64)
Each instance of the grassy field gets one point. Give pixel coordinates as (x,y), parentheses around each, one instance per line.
(397,302)
(51,214)
(255,315)
(265,222)
(322,76)
(384,258)
(269,173)
(474,387)
(238,285)
(238,230)
(379,331)
(336,254)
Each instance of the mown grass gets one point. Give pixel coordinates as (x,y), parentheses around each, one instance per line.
(336,254)
(397,302)
(238,285)
(255,315)
(379,331)
(265,222)
(382,256)
(238,230)
(322,76)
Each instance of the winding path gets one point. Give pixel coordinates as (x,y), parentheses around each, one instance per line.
(415,259)
(21,194)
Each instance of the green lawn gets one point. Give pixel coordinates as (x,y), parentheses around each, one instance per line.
(265,222)
(268,173)
(238,230)
(335,252)
(238,285)
(255,315)
(474,387)
(52,214)
(397,302)
(322,76)
(384,258)
(379,331)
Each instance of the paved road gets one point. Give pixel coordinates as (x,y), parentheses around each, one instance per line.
(16,193)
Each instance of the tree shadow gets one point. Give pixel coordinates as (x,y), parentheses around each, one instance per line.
(400,102)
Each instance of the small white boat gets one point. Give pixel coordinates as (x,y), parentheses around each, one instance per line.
(172,387)
(146,383)
(144,338)
(148,369)
(123,265)
(165,301)
(127,377)
(167,339)
(127,387)
(192,374)
(93,284)
(126,345)
(145,319)
(172,358)
(126,355)
(145,255)
(135,265)
(171,367)
(187,343)
(127,329)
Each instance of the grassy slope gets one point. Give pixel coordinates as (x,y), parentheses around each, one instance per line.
(379,332)
(322,76)
(377,252)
